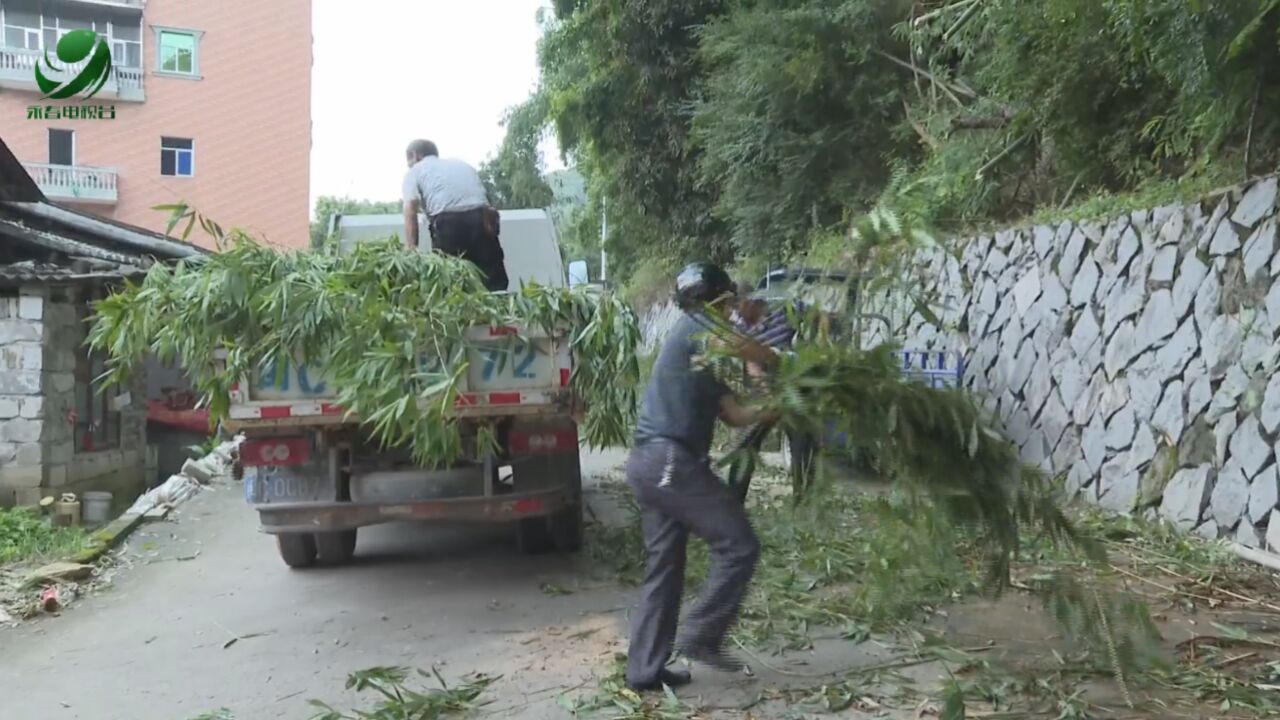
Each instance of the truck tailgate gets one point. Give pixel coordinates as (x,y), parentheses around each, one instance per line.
(509,372)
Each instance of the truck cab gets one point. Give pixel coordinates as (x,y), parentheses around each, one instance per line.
(315,477)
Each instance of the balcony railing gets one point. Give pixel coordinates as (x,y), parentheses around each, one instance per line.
(139,4)
(18,71)
(75,183)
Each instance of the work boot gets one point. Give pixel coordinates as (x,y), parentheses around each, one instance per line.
(666,677)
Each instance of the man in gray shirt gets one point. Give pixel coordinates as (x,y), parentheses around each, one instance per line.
(678,493)
(460,219)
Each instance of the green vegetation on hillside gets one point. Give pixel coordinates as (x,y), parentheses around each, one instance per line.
(728,128)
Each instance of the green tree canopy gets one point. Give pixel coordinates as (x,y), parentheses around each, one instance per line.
(513,177)
(328,205)
(719,129)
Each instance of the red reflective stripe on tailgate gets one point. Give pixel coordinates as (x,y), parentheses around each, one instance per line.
(504,398)
(328,409)
(275,412)
(528,505)
(465,400)
(564,377)
(500,331)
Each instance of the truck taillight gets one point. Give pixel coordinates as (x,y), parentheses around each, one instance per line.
(275,451)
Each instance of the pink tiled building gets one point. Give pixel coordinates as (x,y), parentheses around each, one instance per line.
(212,106)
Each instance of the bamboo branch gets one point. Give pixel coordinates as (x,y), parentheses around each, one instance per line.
(982,122)
(941,11)
(960,21)
(1003,154)
(928,139)
(932,78)
(1071,191)
(1253,114)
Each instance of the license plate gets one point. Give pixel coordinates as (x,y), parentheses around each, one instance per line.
(262,486)
(512,365)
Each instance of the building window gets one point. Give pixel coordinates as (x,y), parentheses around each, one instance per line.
(126,42)
(178,52)
(96,420)
(27,27)
(177,157)
(22,25)
(62,147)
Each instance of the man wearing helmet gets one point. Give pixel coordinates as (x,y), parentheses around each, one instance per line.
(678,493)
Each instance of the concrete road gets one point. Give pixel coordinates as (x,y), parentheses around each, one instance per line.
(153,646)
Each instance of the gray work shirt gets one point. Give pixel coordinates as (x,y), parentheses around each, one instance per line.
(682,402)
(444,185)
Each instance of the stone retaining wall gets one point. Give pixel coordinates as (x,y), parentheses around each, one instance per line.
(1135,356)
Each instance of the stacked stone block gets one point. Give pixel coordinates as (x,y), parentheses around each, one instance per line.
(22,334)
(1136,356)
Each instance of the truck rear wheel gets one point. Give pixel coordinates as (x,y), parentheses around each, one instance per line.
(566,528)
(533,536)
(336,548)
(298,550)
(561,531)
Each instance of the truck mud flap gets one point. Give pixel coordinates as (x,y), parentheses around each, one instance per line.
(311,517)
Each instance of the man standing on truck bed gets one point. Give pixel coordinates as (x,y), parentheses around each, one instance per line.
(461,221)
(678,493)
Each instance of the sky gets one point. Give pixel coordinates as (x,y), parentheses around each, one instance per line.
(387,71)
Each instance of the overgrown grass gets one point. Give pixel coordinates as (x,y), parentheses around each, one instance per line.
(1150,194)
(830,247)
(24,536)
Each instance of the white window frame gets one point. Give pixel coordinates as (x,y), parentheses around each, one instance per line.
(26,30)
(196,35)
(175,159)
(107,30)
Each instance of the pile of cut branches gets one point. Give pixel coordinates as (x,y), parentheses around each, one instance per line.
(389,327)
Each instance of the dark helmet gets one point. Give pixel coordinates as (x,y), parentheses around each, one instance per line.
(700,283)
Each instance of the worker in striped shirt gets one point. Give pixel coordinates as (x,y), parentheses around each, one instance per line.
(771,325)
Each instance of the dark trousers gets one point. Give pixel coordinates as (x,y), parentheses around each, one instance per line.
(467,235)
(679,494)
